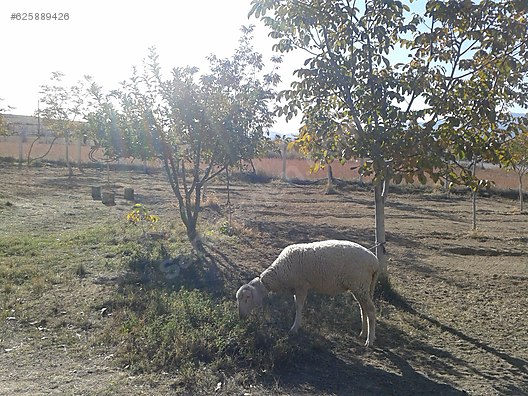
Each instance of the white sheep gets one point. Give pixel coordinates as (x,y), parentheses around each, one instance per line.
(328,267)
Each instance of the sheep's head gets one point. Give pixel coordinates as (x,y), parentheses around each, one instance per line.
(245,300)
(250,296)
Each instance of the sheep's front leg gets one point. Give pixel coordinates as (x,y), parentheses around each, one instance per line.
(300,298)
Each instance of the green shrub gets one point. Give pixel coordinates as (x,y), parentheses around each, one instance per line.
(189,328)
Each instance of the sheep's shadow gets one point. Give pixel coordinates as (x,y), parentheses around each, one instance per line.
(320,366)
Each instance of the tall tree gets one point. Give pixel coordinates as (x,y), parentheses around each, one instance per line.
(198,125)
(473,57)
(347,73)
(406,116)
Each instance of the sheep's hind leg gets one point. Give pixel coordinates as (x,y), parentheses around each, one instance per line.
(300,298)
(371,317)
(364,324)
(368,319)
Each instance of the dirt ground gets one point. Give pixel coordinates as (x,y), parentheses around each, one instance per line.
(461,326)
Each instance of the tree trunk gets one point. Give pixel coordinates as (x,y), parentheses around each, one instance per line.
(361,163)
(79,154)
(253,166)
(193,211)
(330,181)
(330,175)
(474,200)
(446,184)
(194,237)
(380,231)
(474,205)
(68,164)
(283,154)
(521,197)
(20,148)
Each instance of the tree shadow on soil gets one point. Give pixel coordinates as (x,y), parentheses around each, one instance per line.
(323,372)
(401,303)
(519,366)
(400,360)
(284,233)
(411,210)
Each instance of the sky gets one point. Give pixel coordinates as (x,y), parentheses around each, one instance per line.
(105,39)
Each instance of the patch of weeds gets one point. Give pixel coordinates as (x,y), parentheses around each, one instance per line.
(25,245)
(175,329)
(165,265)
(80,270)
(8,289)
(183,330)
(38,285)
(237,228)
(225,228)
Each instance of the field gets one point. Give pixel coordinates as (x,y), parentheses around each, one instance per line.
(76,294)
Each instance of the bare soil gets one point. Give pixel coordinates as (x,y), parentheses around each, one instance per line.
(460,326)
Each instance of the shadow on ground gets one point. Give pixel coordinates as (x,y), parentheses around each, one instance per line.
(323,372)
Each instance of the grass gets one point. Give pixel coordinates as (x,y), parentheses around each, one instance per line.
(188,326)
(198,337)
(155,320)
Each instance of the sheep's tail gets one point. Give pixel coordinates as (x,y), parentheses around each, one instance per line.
(373,283)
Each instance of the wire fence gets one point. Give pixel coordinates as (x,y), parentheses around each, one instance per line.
(27,150)
(22,148)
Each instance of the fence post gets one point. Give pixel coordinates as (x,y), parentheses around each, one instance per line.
(283,154)
(20,148)
(79,153)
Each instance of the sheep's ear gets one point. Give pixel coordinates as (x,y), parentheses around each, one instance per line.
(244,294)
(257,297)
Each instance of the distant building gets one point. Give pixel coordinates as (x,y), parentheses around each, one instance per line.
(25,126)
